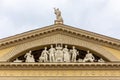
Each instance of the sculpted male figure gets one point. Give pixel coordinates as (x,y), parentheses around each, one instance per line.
(74,53)
(89,57)
(52,54)
(44,56)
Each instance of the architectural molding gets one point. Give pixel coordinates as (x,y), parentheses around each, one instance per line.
(58,38)
(60,78)
(59,52)
(99,39)
(76,66)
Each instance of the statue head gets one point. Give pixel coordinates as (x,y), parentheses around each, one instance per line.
(88,51)
(73,47)
(57,8)
(51,46)
(30,51)
(59,45)
(66,46)
(45,48)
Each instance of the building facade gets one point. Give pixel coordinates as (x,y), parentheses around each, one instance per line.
(59,52)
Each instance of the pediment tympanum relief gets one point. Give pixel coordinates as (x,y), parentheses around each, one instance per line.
(61,53)
(58,38)
(59,34)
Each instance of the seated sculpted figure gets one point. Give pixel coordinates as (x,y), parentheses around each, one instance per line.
(29,57)
(17,60)
(44,56)
(89,57)
(59,54)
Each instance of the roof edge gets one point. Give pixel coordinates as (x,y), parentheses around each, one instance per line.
(79,32)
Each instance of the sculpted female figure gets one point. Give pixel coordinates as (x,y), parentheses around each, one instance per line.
(29,57)
(66,54)
(58,15)
(44,56)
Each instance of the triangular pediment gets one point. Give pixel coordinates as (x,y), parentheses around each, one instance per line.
(59,51)
(64,29)
(62,34)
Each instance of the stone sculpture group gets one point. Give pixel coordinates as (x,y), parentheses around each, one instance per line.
(59,54)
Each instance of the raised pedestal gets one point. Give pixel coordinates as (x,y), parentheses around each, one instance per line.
(58,22)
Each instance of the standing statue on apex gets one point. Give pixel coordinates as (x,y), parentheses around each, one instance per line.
(58,15)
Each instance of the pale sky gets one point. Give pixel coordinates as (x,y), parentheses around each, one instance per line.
(99,16)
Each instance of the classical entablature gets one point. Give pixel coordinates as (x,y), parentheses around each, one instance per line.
(59,34)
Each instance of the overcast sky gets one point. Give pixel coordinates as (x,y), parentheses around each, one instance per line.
(99,16)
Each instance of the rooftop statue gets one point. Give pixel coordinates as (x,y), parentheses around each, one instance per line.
(59,19)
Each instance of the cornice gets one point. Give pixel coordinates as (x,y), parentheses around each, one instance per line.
(100,39)
(89,66)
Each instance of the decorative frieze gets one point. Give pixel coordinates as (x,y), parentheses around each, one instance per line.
(76,66)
